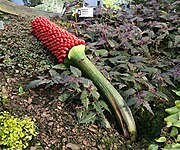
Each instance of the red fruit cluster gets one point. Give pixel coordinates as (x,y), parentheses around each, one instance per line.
(57,40)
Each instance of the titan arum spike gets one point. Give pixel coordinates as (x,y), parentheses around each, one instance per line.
(65,45)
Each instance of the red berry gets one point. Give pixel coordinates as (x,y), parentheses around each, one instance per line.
(57,40)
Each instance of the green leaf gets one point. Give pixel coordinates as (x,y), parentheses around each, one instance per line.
(129,46)
(95,94)
(65,73)
(146,51)
(161,139)
(55,76)
(150,70)
(104,105)
(4,100)
(177,124)
(112,43)
(132,101)
(104,122)
(148,107)
(90,118)
(98,108)
(170,120)
(85,102)
(64,96)
(60,67)
(167,147)
(57,79)
(53,73)
(127,77)
(172,110)
(177,39)
(118,60)
(86,83)
(33,84)
(90,36)
(176,146)
(162,95)
(20,89)
(178,104)
(170,44)
(167,80)
(178,138)
(174,132)
(129,92)
(84,99)
(153,147)
(79,114)
(75,71)
(177,92)
(75,86)
(84,95)
(102,52)
(1,133)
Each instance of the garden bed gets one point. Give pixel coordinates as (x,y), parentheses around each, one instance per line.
(138,55)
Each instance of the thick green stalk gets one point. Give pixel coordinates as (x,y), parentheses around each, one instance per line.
(121,110)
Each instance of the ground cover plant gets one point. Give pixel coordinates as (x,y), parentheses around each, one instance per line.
(15,133)
(138,52)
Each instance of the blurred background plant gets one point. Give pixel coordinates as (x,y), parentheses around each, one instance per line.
(116,4)
(52,6)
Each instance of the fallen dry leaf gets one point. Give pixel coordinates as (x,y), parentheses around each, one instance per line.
(33,148)
(73,146)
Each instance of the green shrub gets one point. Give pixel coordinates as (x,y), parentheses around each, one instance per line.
(170,136)
(15,133)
